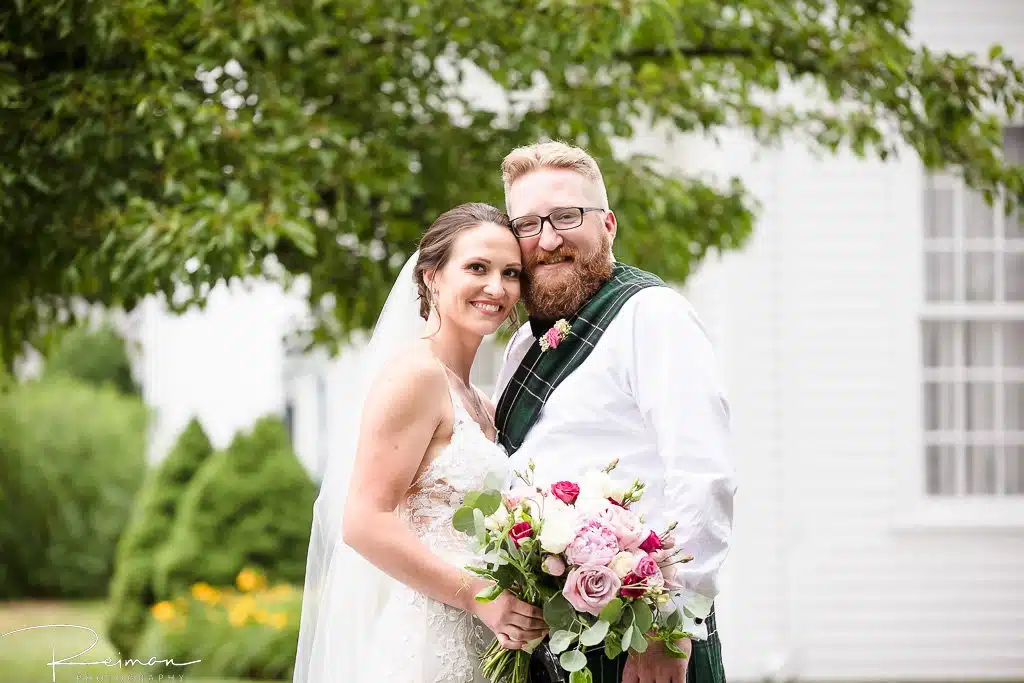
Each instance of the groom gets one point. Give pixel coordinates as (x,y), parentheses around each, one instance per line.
(635,380)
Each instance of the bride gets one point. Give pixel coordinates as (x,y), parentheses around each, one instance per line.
(387,597)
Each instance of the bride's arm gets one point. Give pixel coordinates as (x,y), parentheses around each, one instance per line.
(400,417)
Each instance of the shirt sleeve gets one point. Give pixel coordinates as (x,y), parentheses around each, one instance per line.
(679,392)
(508,368)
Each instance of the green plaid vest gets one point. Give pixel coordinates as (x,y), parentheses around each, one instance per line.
(541,371)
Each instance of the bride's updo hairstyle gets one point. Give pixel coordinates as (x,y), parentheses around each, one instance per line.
(439,241)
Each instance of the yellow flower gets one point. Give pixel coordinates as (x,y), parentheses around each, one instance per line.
(163,611)
(249,580)
(238,617)
(281,590)
(278,620)
(204,592)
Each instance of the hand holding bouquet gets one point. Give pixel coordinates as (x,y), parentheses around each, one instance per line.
(605,580)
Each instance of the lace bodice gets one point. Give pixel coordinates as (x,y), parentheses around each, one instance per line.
(462,466)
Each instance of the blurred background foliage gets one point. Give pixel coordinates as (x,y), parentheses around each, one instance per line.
(161,146)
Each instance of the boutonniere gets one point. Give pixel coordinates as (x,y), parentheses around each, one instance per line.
(555,336)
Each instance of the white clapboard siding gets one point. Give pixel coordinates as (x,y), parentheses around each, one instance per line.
(832,578)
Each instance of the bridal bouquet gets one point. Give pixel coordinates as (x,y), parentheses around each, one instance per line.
(605,579)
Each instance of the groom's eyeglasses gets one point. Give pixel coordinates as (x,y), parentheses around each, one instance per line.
(560,219)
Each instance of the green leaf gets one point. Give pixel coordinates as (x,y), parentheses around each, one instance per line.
(643,617)
(673,649)
(573,660)
(488,502)
(639,641)
(561,640)
(595,634)
(463,520)
(558,613)
(612,645)
(627,637)
(612,611)
(581,676)
(490,593)
(478,526)
(674,620)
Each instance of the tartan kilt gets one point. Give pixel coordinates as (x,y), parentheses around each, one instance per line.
(705,664)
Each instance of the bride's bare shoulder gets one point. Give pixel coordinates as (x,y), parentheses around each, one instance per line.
(412,379)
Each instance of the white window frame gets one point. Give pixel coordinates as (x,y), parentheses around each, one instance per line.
(961,510)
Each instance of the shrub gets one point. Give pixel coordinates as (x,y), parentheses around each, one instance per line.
(251,631)
(131,589)
(72,458)
(93,356)
(249,505)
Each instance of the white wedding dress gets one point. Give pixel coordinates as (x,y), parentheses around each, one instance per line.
(416,639)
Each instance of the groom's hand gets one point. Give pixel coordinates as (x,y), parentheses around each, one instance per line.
(658,666)
(514,622)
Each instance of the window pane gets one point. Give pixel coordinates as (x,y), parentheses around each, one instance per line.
(980,400)
(940,406)
(1015,225)
(940,471)
(1014,276)
(939,344)
(979,344)
(938,211)
(1013,344)
(939,277)
(980,470)
(1013,406)
(1013,483)
(980,276)
(978,216)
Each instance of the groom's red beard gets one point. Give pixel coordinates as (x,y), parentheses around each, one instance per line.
(561,293)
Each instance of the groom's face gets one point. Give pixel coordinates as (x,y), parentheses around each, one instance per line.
(563,267)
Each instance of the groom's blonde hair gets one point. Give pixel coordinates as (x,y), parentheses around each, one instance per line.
(554,154)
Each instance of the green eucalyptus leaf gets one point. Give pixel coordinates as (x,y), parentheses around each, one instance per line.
(595,634)
(463,520)
(573,660)
(561,640)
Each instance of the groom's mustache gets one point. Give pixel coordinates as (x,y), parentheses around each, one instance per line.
(563,252)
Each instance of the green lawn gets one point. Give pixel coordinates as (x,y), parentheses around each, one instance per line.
(25,655)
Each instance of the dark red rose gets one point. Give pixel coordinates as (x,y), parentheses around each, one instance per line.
(565,491)
(651,543)
(520,531)
(630,587)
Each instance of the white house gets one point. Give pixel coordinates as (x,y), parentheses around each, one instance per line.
(872,339)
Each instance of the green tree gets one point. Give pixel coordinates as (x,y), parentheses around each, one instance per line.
(145,144)
(250,505)
(131,588)
(94,356)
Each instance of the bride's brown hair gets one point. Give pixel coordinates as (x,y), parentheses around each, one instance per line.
(439,240)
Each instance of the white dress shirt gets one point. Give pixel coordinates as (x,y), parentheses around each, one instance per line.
(648,394)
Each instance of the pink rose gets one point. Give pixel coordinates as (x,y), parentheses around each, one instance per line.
(595,543)
(651,543)
(566,491)
(628,528)
(553,337)
(590,587)
(632,586)
(553,565)
(520,531)
(668,562)
(646,567)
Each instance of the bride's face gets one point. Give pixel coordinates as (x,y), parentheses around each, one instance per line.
(479,285)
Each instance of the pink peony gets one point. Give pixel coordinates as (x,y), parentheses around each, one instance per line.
(565,491)
(651,543)
(595,543)
(520,531)
(589,587)
(553,565)
(629,530)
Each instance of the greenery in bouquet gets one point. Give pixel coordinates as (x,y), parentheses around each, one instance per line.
(606,581)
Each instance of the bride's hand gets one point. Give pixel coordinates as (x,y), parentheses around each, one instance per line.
(514,622)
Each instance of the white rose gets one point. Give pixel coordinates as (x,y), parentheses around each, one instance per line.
(622,564)
(595,485)
(559,528)
(497,519)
